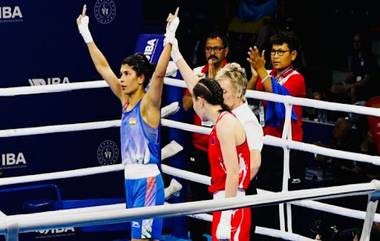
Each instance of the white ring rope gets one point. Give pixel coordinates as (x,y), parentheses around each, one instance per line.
(269,140)
(287,144)
(280,234)
(297,100)
(185,126)
(206,180)
(172,148)
(165,111)
(205,217)
(28,131)
(167,151)
(275,141)
(194,177)
(14,91)
(42,89)
(61,174)
(37,221)
(190,176)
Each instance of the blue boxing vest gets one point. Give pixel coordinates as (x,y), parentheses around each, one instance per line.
(140,143)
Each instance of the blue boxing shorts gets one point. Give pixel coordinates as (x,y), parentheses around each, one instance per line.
(145,192)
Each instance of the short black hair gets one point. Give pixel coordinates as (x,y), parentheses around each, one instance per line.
(140,63)
(214,35)
(285,37)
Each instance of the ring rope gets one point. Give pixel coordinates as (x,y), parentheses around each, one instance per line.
(319,104)
(167,151)
(165,111)
(288,101)
(61,174)
(27,131)
(203,216)
(44,89)
(269,140)
(37,221)
(195,177)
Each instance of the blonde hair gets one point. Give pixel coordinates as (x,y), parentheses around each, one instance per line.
(236,75)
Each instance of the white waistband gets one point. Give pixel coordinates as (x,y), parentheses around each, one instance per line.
(221,194)
(136,171)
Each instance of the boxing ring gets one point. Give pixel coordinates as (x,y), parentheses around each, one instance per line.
(12,225)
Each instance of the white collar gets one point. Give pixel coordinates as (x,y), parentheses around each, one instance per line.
(241,108)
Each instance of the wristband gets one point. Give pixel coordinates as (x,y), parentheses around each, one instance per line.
(84,31)
(265,78)
(175,54)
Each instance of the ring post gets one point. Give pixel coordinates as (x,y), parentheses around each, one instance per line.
(12,231)
(373,200)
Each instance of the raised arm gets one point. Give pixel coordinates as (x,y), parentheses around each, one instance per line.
(187,73)
(154,93)
(153,96)
(99,60)
(251,85)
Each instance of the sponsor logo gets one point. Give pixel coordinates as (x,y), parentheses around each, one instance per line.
(48,81)
(12,160)
(105,11)
(132,121)
(107,153)
(9,14)
(150,48)
(135,224)
(58,232)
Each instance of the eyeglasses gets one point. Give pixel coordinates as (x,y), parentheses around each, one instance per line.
(216,49)
(279,52)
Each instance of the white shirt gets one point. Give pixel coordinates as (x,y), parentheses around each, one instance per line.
(251,126)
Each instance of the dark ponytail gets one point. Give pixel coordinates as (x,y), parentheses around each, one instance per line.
(211,91)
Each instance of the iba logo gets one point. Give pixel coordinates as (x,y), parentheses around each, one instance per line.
(12,160)
(108,153)
(55,233)
(105,11)
(48,81)
(9,14)
(150,48)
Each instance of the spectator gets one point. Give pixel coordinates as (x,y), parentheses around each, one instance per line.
(342,171)
(361,64)
(283,79)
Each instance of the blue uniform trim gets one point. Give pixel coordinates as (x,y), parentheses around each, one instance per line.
(275,112)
